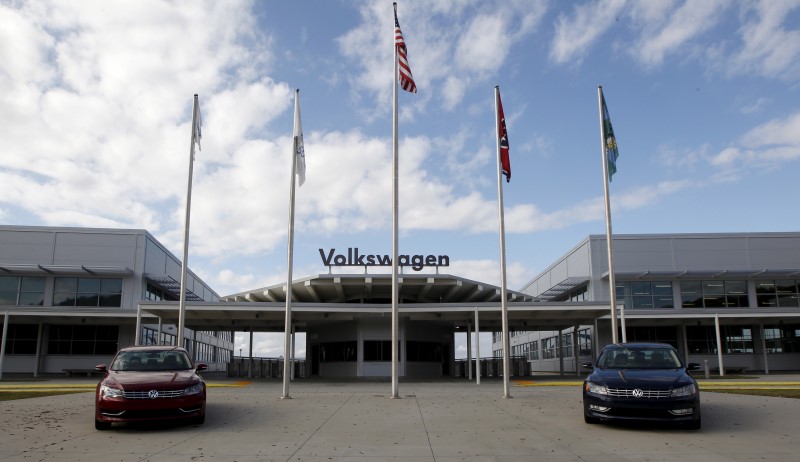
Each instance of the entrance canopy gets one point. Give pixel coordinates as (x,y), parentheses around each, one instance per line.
(329,297)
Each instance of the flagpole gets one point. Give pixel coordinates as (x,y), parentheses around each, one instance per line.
(611,284)
(288,325)
(503,291)
(395,227)
(185,262)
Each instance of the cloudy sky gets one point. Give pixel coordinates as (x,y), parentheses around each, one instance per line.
(95,114)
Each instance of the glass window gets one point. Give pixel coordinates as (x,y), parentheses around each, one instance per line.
(22,290)
(639,295)
(549,348)
(21,339)
(781,293)
(782,339)
(714,294)
(88,292)
(701,339)
(738,339)
(566,345)
(339,351)
(663,334)
(82,340)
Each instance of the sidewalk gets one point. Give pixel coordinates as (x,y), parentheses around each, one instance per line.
(445,420)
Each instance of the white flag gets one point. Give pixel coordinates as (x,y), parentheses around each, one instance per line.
(197,133)
(299,151)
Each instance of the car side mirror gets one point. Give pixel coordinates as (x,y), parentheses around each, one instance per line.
(100,367)
(201,367)
(693,367)
(587,365)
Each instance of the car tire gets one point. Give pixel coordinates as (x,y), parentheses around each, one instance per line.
(100,425)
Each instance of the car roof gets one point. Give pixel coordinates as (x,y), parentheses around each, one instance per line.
(637,346)
(151,348)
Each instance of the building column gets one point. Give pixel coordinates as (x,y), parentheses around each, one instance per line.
(250,362)
(576,351)
(37,363)
(294,337)
(3,345)
(138,337)
(477,349)
(469,351)
(764,349)
(560,351)
(719,346)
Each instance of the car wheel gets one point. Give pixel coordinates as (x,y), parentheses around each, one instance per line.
(100,425)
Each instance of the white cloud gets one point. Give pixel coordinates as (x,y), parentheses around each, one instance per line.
(439,47)
(765,147)
(769,47)
(576,34)
(669,34)
(775,132)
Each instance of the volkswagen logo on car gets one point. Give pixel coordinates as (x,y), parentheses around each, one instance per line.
(153,394)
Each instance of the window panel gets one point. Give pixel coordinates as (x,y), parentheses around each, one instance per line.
(662,288)
(111,286)
(785,287)
(66,284)
(8,297)
(767,301)
(765,287)
(736,287)
(9,283)
(713,287)
(641,288)
(88,285)
(646,294)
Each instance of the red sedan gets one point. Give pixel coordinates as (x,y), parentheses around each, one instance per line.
(146,383)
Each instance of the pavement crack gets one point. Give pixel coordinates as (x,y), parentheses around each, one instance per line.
(424,426)
(319,427)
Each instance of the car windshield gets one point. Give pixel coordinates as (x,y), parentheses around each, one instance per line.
(151,360)
(639,358)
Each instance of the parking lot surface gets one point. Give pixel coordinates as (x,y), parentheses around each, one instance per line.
(448,420)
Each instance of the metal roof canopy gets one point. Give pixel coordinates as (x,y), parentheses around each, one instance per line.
(330,297)
(377,288)
(270,316)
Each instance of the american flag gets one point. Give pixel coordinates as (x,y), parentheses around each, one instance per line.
(406,79)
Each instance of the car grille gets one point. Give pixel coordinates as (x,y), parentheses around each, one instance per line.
(145,394)
(628,393)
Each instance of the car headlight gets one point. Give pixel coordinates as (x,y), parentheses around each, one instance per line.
(687,390)
(108,392)
(194,389)
(595,388)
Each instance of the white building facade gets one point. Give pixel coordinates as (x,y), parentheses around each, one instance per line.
(728,298)
(69,298)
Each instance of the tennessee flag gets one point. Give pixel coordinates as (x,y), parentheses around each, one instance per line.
(502,135)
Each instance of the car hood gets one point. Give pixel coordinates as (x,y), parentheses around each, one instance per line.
(151,379)
(640,378)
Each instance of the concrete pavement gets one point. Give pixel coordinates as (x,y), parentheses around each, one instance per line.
(446,420)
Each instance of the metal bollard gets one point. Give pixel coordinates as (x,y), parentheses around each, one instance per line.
(708,374)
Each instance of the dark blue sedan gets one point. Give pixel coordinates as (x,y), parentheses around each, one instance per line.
(641,381)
